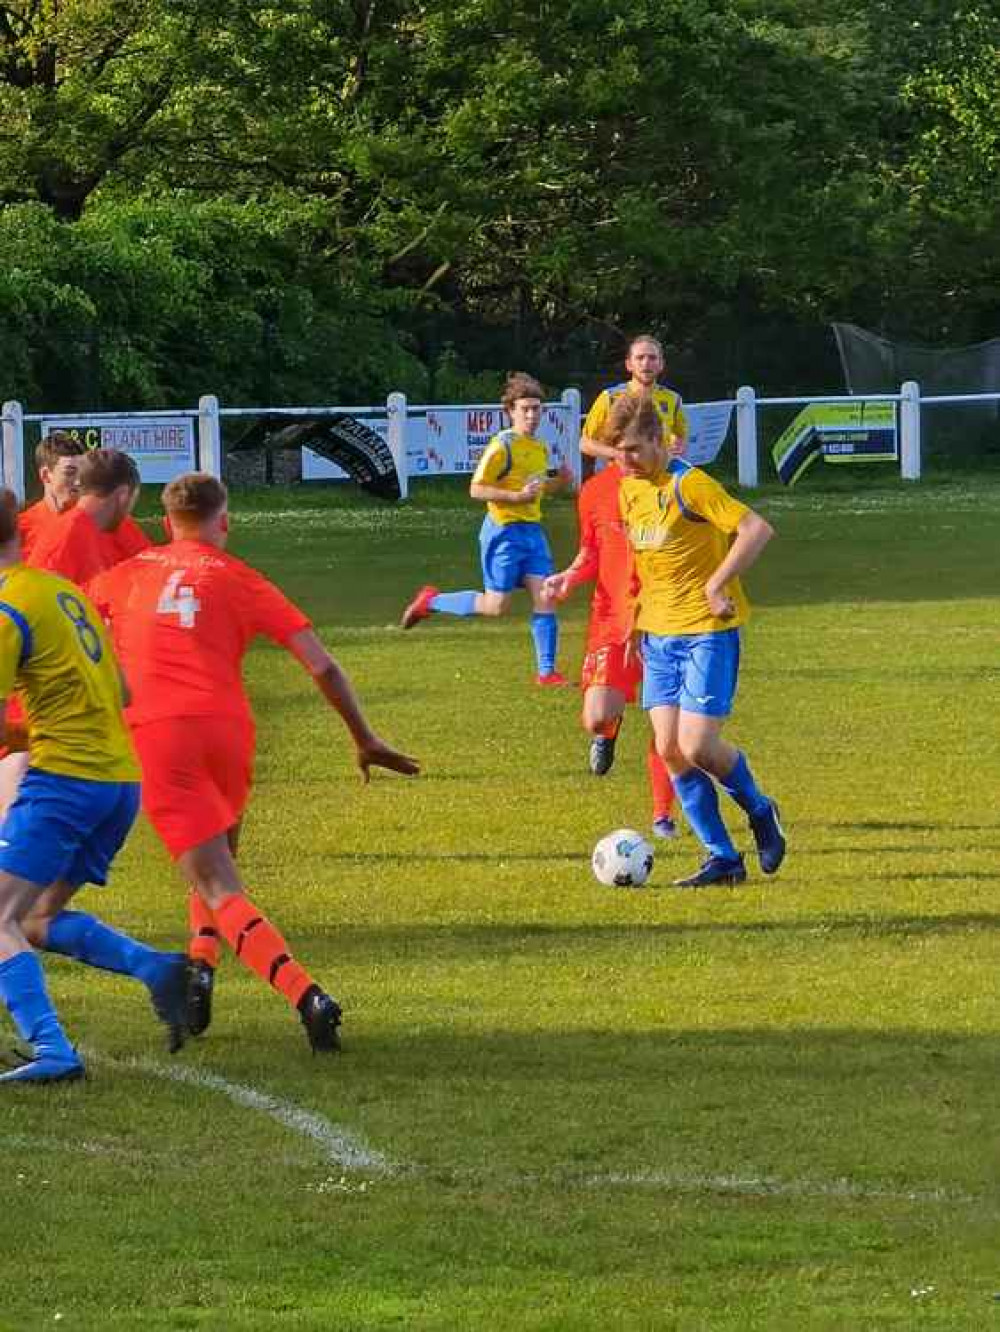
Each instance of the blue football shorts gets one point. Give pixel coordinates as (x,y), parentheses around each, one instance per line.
(693,672)
(512,552)
(66,828)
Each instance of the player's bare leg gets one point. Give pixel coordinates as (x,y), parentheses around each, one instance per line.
(211,869)
(603,709)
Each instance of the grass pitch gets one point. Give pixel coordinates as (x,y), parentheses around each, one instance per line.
(562,1106)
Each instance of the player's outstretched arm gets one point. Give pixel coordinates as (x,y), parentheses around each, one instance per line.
(333,684)
(584,569)
(752,536)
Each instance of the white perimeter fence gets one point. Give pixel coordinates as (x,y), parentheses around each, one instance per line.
(433,440)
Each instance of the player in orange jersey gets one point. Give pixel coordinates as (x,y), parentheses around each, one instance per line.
(81,543)
(57,458)
(610,673)
(183,616)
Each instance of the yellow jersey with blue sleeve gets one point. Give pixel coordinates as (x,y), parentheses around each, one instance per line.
(56,654)
(668,404)
(680,523)
(509,462)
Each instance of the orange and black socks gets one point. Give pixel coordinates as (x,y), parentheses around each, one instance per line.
(660,784)
(203,945)
(259,946)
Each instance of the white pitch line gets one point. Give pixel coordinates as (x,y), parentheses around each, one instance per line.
(765,1187)
(341,1146)
(350,1152)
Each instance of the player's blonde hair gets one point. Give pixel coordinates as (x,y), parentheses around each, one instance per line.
(194,497)
(520,385)
(632,417)
(8,515)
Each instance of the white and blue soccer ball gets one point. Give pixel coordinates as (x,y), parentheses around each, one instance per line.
(622,859)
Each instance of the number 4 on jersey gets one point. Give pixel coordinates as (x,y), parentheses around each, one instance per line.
(179,601)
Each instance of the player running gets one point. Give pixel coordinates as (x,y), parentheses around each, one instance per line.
(691,541)
(183,616)
(73,810)
(610,673)
(511,480)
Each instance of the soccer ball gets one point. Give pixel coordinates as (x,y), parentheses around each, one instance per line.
(622,859)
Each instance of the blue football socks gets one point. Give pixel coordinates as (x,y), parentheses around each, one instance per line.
(545,632)
(454,603)
(744,790)
(700,803)
(22,989)
(87,939)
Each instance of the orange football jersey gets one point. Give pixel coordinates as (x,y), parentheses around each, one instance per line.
(182,617)
(607,559)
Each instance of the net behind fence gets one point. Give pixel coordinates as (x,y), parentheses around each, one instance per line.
(961,432)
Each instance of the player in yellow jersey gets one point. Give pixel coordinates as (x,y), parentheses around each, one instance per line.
(511,480)
(644,362)
(73,809)
(691,542)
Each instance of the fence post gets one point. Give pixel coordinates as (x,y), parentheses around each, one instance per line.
(395,407)
(909,431)
(209,438)
(746,436)
(13,447)
(571,397)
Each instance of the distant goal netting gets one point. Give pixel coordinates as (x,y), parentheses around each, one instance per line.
(873,364)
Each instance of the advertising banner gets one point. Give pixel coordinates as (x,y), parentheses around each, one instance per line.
(162,447)
(838,432)
(448,441)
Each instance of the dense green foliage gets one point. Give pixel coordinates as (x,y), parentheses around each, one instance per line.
(334,197)
(769,1109)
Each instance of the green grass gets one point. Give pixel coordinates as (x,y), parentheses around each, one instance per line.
(771,1108)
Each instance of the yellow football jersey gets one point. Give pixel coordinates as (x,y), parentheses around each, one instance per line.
(680,524)
(509,461)
(55,652)
(668,406)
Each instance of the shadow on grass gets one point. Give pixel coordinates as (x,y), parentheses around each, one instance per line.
(494,940)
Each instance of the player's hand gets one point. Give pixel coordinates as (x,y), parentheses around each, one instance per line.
(377,754)
(722,606)
(531,489)
(633,648)
(556,587)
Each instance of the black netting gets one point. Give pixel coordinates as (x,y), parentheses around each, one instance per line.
(966,431)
